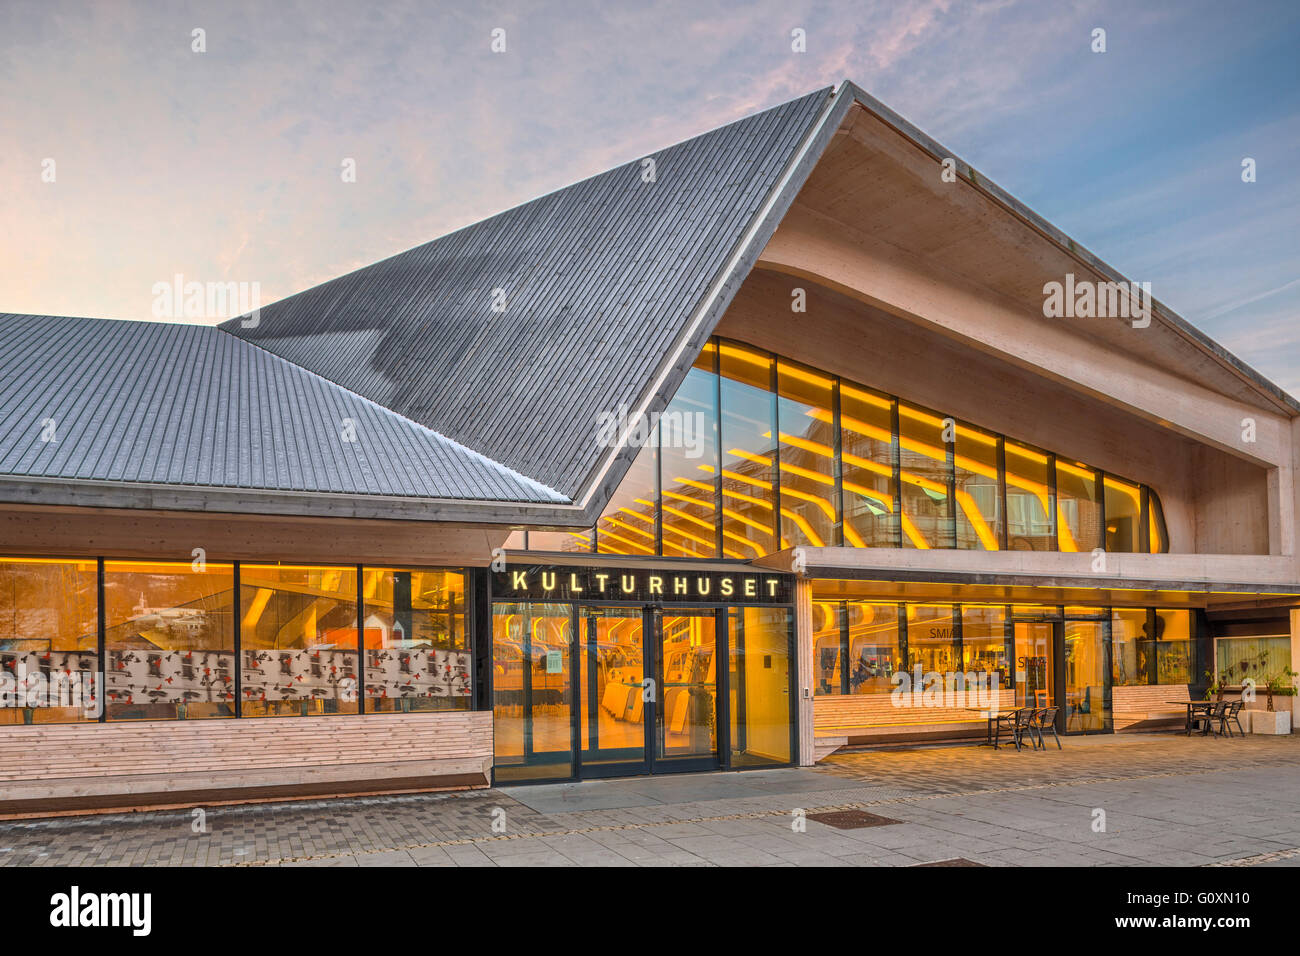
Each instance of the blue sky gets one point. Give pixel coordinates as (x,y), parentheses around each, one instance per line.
(225,165)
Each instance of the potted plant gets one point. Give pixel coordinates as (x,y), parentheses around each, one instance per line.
(1270,721)
(1214,687)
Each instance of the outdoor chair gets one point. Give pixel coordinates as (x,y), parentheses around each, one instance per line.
(1017,723)
(1206,719)
(1045,719)
(1232,715)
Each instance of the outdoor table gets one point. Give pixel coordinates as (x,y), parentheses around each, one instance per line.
(989,717)
(1191,706)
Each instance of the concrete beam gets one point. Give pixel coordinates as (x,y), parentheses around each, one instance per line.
(818,247)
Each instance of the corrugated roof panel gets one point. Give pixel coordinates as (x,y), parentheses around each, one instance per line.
(601,279)
(156,403)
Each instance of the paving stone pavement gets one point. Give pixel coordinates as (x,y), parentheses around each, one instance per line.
(1163,799)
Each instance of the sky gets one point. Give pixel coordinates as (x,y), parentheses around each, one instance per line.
(226,165)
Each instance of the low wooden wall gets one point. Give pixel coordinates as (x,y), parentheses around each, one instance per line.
(860,717)
(1147,706)
(64,767)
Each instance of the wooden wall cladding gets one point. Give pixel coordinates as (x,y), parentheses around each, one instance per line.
(60,768)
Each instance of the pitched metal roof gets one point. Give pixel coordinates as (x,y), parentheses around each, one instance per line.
(601,280)
(108,401)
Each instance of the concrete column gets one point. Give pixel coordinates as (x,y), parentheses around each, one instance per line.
(804,650)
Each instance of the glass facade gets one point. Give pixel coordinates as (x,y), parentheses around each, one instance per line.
(1031,501)
(49,638)
(417,654)
(926,476)
(1152,646)
(932,639)
(757,453)
(299,640)
(807,456)
(977,489)
(592,690)
(748,420)
(195,640)
(761,683)
(1078,507)
(860,645)
(688,468)
(869,468)
(532,650)
(985,646)
(169,631)
(875,646)
(1087,691)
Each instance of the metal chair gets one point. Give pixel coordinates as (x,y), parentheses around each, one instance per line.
(1045,719)
(1232,715)
(1207,718)
(1017,723)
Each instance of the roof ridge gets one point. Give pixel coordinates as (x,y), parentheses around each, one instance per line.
(538,198)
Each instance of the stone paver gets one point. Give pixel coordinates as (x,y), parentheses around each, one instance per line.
(1102,801)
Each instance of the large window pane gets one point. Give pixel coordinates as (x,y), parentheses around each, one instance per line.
(875,653)
(761,640)
(748,452)
(298,634)
(828,661)
(979,499)
(1156,524)
(628,524)
(1131,647)
(1029,499)
(807,456)
(532,694)
(417,653)
(1077,508)
(1123,515)
(170,637)
(984,646)
(931,642)
(1174,648)
(690,511)
(867,468)
(49,632)
(1256,658)
(927,508)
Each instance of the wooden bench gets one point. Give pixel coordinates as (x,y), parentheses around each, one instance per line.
(1146,706)
(839,721)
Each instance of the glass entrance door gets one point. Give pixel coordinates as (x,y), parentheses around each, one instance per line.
(687,727)
(648,690)
(1087,691)
(617,705)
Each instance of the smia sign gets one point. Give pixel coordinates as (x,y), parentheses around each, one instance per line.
(651,585)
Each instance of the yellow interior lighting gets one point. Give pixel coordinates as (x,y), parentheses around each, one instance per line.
(255,608)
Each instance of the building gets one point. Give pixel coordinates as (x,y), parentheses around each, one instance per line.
(680,467)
